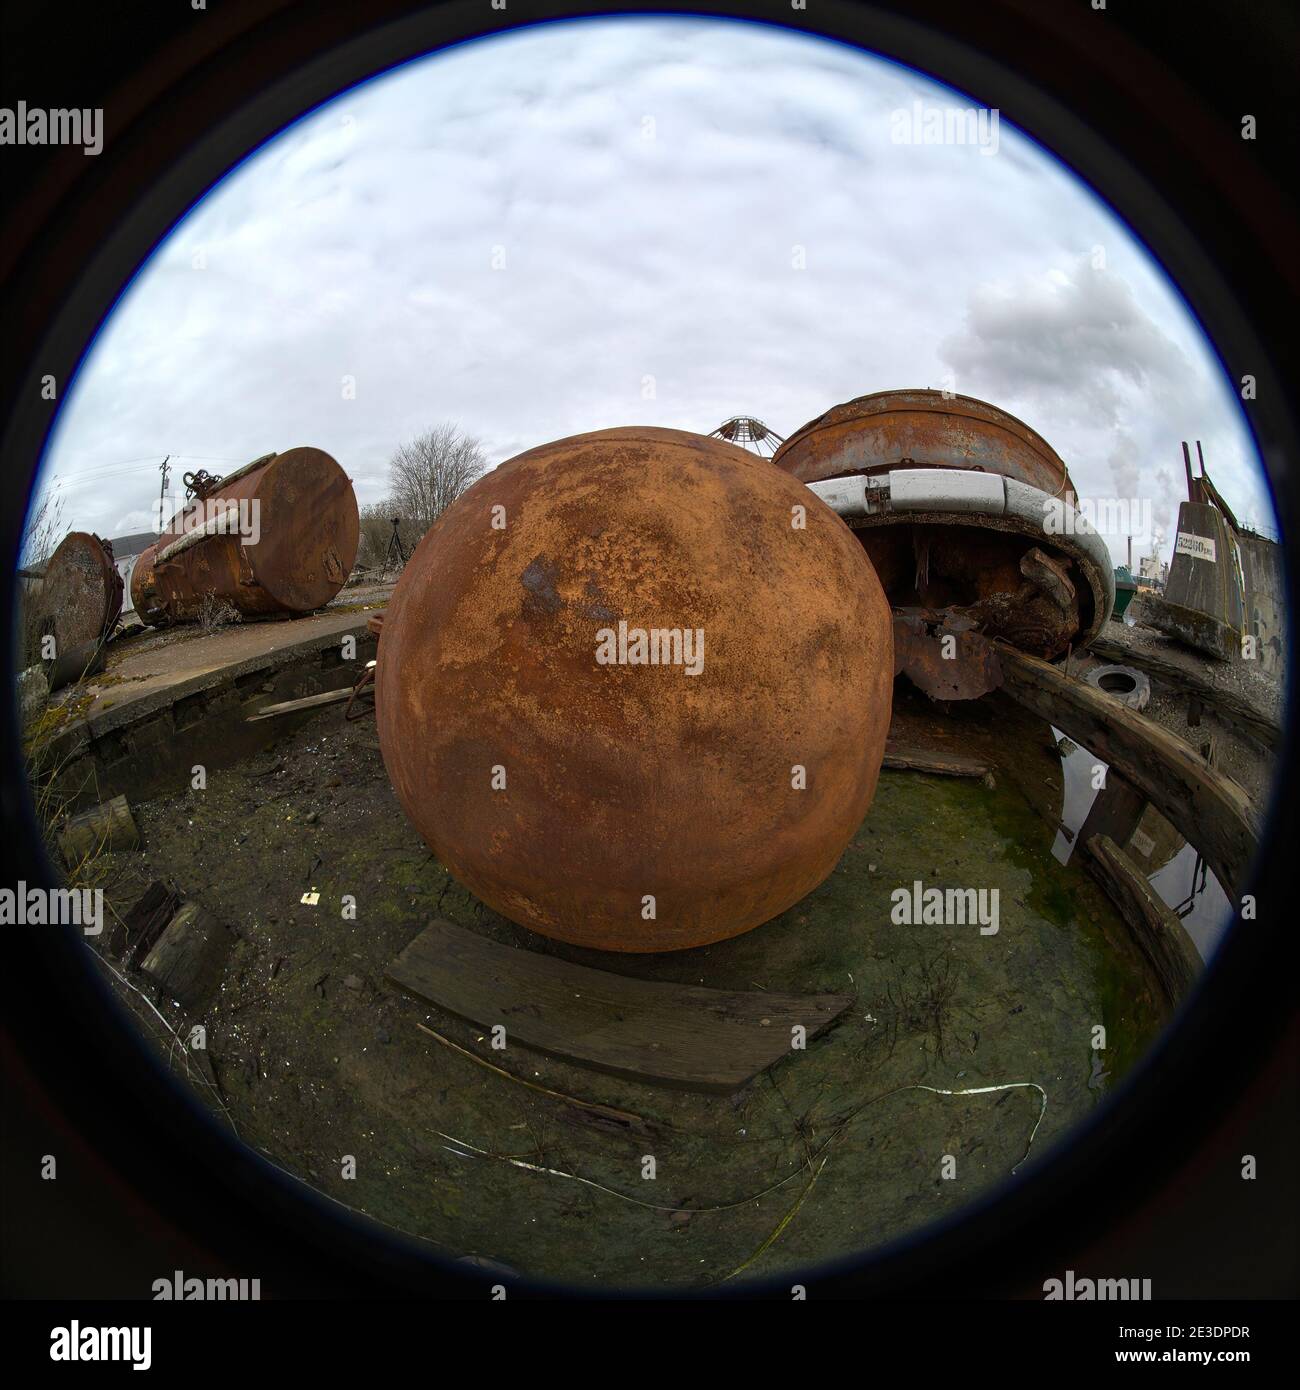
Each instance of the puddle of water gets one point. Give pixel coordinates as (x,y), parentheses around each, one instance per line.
(1209,915)
(1077,774)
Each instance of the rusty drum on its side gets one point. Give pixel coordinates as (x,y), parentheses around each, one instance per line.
(288,545)
(604,800)
(80,593)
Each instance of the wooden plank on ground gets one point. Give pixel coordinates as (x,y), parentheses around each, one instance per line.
(1208,809)
(326,697)
(913,758)
(1158,931)
(686,1036)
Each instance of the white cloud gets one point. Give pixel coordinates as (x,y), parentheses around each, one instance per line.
(647,181)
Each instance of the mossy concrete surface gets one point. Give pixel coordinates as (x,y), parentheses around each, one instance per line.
(318,1058)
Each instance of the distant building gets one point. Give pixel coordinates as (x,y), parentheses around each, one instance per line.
(1152,572)
(126,551)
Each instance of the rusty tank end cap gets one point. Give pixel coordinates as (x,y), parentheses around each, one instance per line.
(81,590)
(309,528)
(926,399)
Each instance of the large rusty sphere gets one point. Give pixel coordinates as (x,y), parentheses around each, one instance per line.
(615,803)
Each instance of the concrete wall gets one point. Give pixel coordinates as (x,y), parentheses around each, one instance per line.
(1264,601)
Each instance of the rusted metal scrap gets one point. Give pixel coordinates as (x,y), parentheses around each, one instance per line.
(941,654)
(590,793)
(922,429)
(278,536)
(966,513)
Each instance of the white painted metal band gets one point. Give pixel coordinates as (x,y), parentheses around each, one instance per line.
(962,493)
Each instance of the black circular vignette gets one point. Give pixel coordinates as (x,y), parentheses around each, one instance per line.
(1124,107)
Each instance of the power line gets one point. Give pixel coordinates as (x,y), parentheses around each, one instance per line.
(105,470)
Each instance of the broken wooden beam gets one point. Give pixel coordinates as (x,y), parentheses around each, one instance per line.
(1158,931)
(1209,810)
(187,959)
(102,829)
(685,1036)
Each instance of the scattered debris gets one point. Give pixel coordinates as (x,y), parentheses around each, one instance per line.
(187,960)
(143,923)
(108,827)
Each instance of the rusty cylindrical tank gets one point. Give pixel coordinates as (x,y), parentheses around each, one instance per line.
(288,545)
(81,592)
(586,792)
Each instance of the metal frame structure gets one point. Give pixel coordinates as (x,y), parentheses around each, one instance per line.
(749,433)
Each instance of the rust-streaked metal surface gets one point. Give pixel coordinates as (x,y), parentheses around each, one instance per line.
(308,529)
(624,783)
(993,575)
(943,656)
(81,593)
(922,429)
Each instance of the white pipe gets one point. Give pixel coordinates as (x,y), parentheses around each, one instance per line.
(952,496)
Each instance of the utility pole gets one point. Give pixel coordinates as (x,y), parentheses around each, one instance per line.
(162,494)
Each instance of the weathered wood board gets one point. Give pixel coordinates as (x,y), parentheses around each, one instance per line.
(686,1036)
(913,758)
(187,959)
(144,923)
(1208,809)
(326,697)
(1116,810)
(105,828)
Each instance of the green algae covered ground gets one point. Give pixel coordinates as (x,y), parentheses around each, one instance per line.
(318,1058)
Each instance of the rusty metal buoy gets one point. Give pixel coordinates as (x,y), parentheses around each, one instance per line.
(633,689)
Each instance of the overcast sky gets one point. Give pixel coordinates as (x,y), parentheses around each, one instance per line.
(638,221)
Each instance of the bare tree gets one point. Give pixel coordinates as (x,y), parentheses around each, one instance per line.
(430,472)
(375,520)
